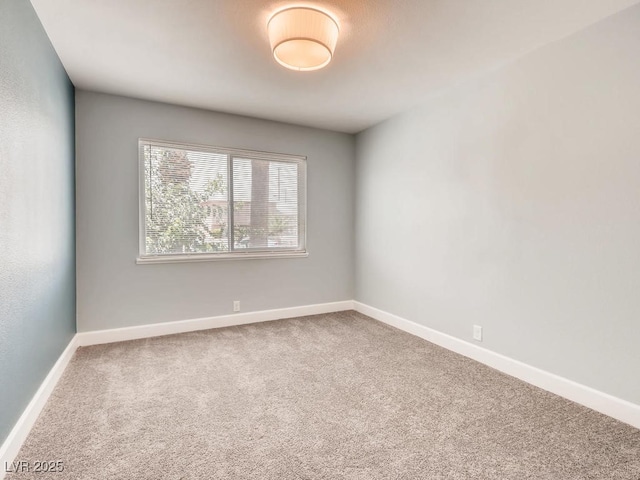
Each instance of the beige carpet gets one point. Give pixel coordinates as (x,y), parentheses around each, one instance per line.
(337,396)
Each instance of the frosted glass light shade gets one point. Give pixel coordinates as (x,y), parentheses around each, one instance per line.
(302,38)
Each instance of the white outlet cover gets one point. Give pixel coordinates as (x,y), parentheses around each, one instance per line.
(477,333)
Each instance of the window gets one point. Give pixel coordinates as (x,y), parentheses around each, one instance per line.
(205,203)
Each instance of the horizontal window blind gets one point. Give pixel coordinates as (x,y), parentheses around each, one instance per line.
(205,201)
(265,200)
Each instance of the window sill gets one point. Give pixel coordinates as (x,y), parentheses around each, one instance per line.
(217,257)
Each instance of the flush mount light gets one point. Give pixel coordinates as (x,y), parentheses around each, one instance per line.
(302,38)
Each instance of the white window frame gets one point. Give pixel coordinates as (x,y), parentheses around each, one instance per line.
(231,153)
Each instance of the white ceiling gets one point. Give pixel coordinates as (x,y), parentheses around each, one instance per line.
(215,54)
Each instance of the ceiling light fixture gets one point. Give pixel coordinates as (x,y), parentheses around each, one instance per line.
(302,38)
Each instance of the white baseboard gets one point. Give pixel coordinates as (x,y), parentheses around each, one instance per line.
(12,444)
(168,328)
(589,397)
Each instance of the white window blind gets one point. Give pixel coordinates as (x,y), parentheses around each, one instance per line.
(200,202)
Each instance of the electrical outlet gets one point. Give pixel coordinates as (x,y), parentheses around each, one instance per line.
(236,305)
(477,333)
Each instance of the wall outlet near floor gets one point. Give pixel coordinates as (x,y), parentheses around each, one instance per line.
(236,305)
(477,333)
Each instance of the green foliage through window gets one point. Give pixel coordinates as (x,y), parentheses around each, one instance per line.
(189,207)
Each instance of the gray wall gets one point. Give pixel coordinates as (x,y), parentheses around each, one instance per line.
(513,202)
(115,292)
(37,264)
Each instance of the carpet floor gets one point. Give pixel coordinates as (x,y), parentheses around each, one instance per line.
(336,396)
